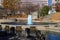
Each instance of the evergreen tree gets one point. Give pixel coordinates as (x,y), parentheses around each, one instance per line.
(43,11)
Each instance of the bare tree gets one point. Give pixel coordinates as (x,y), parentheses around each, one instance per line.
(29,7)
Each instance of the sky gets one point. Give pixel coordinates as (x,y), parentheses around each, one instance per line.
(30,0)
(34,1)
(26,0)
(49,2)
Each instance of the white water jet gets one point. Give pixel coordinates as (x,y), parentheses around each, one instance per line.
(29,21)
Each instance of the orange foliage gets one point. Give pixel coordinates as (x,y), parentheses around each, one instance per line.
(10,4)
(18,16)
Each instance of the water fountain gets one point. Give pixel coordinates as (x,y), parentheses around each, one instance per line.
(29,22)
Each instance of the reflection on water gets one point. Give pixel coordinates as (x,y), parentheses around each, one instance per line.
(53,36)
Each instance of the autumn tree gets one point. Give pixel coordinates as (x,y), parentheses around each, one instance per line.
(11,4)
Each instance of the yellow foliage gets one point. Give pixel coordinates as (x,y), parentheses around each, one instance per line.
(9,4)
